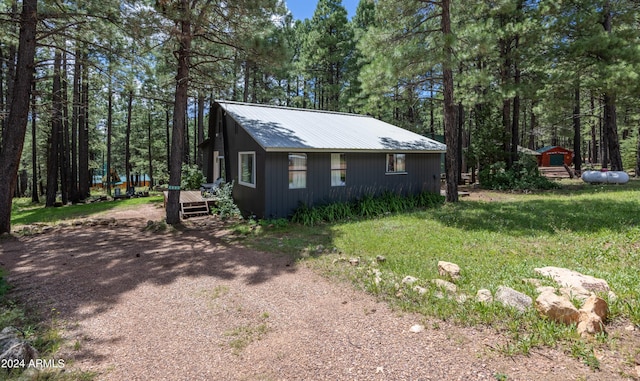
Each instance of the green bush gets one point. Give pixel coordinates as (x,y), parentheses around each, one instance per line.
(225,206)
(368,206)
(523,175)
(192,177)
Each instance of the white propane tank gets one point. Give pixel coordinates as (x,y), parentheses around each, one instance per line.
(606,177)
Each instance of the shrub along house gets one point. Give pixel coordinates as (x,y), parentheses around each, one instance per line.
(280,157)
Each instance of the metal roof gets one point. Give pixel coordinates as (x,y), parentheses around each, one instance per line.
(285,129)
(549,148)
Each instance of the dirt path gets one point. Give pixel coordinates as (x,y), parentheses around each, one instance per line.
(141,305)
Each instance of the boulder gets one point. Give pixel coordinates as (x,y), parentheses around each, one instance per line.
(484,296)
(420,290)
(13,348)
(580,294)
(557,308)
(569,278)
(8,338)
(449,270)
(596,305)
(409,280)
(543,289)
(510,297)
(590,324)
(445,286)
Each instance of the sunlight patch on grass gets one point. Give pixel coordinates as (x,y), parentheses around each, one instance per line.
(25,213)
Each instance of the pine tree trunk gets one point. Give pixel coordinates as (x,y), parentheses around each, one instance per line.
(185,118)
(149,152)
(34,147)
(14,133)
(83,134)
(450,131)
(611,128)
(65,177)
(577,127)
(179,111)
(168,136)
(127,143)
(200,130)
(53,161)
(594,136)
(109,133)
(77,74)
(610,123)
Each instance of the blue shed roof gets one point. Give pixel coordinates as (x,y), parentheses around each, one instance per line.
(285,129)
(549,148)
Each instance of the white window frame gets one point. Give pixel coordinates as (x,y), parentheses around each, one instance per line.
(253,168)
(339,169)
(291,171)
(395,164)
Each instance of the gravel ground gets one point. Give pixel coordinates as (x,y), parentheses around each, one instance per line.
(141,305)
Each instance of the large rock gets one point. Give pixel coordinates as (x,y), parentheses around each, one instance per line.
(596,305)
(590,324)
(484,296)
(13,348)
(445,286)
(409,280)
(8,338)
(569,278)
(449,270)
(557,308)
(510,297)
(580,294)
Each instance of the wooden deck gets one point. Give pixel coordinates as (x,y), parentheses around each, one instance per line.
(192,203)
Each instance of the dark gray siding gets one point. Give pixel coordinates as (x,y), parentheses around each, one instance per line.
(365,175)
(251,201)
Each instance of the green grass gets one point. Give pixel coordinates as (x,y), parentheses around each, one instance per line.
(23,212)
(242,336)
(593,229)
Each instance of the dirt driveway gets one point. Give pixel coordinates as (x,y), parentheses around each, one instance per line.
(142,305)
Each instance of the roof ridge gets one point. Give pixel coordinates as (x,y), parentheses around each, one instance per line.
(222,101)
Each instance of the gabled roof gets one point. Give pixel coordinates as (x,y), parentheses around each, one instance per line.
(285,129)
(549,148)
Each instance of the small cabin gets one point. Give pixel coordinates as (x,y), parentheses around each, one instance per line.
(554,156)
(280,157)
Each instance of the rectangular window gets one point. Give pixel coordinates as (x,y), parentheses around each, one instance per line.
(338,169)
(247,169)
(396,163)
(297,170)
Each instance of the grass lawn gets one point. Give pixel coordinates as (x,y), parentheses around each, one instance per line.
(24,212)
(593,229)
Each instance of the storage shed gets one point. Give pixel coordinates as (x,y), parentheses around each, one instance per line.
(280,157)
(554,156)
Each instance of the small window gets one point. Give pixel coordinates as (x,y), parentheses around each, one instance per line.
(338,169)
(297,170)
(247,169)
(396,163)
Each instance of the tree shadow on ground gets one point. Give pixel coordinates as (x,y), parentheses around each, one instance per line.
(70,268)
(81,273)
(542,216)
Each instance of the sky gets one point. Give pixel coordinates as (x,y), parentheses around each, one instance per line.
(303,9)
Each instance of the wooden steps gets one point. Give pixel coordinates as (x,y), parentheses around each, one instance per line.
(192,204)
(194,208)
